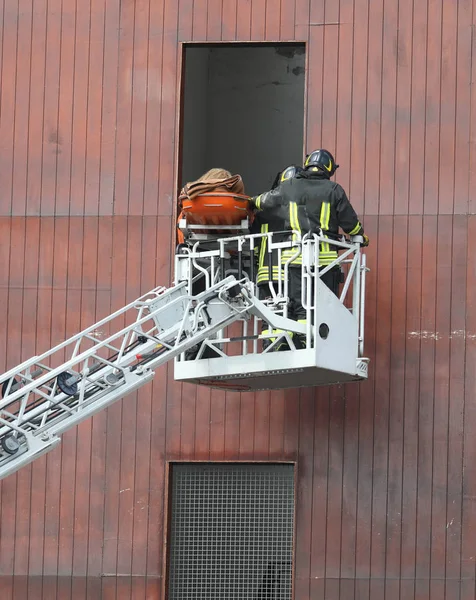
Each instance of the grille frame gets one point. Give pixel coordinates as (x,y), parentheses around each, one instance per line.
(273,569)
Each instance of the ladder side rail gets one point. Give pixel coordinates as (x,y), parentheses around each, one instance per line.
(120,362)
(91,352)
(221,312)
(35,359)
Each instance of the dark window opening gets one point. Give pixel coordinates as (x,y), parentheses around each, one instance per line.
(243,110)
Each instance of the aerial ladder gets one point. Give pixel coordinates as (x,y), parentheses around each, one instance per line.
(211,322)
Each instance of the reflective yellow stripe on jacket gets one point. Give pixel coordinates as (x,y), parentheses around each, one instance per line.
(263,274)
(356,229)
(326,255)
(295,225)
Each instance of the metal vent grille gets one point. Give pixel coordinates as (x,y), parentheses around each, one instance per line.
(231,534)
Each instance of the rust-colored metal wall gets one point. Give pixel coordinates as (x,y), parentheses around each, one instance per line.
(386,504)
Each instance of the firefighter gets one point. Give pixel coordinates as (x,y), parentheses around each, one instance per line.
(311,202)
(272,219)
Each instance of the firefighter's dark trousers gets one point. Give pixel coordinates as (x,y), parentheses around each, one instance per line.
(296,311)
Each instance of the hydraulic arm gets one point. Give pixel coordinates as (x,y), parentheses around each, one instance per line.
(50,393)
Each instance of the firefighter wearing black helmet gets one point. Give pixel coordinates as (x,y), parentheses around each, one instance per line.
(271,219)
(308,202)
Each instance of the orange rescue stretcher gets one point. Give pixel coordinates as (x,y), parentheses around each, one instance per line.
(214,214)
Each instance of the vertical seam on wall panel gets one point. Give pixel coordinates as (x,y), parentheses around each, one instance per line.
(221,21)
(138,399)
(464,396)
(14,110)
(110,262)
(439,109)
(7,304)
(28,117)
(389,393)
(236,18)
(1,51)
(119,35)
(426,105)
(114,217)
(404,398)
(468,230)
(72,109)
(374,390)
(131,118)
(392,330)
(407,266)
(61,491)
(358,391)
(92,426)
(294,36)
(336,106)
(91,454)
(410,116)
(328,429)
(265,11)
(417,495)
(308,47)
(146,117)
(455,107)
(280,19)
(159,124)
(251,14)
(313,455)
(176,141)
(37,253)
(375,311)
(86,124)
(42,160)
(12,192)
(101,115)
(151,436)
(404,368)
(380,113)
(471,107)
(306,80)
(57,107)
(432,473)
(351,102)
(321,75)
(448,393)
(395,119)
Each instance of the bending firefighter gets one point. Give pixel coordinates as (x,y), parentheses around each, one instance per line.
(307,201)
(269,219)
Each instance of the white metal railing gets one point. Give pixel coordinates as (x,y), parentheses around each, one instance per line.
(236,255)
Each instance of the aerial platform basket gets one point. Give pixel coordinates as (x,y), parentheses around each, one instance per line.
(251,357)
(212,322)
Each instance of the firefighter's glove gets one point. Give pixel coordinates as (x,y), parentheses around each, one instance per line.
(366,241)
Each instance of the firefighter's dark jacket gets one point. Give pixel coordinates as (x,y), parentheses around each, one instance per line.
(305,203)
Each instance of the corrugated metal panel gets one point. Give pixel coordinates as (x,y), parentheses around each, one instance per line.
(386,488)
